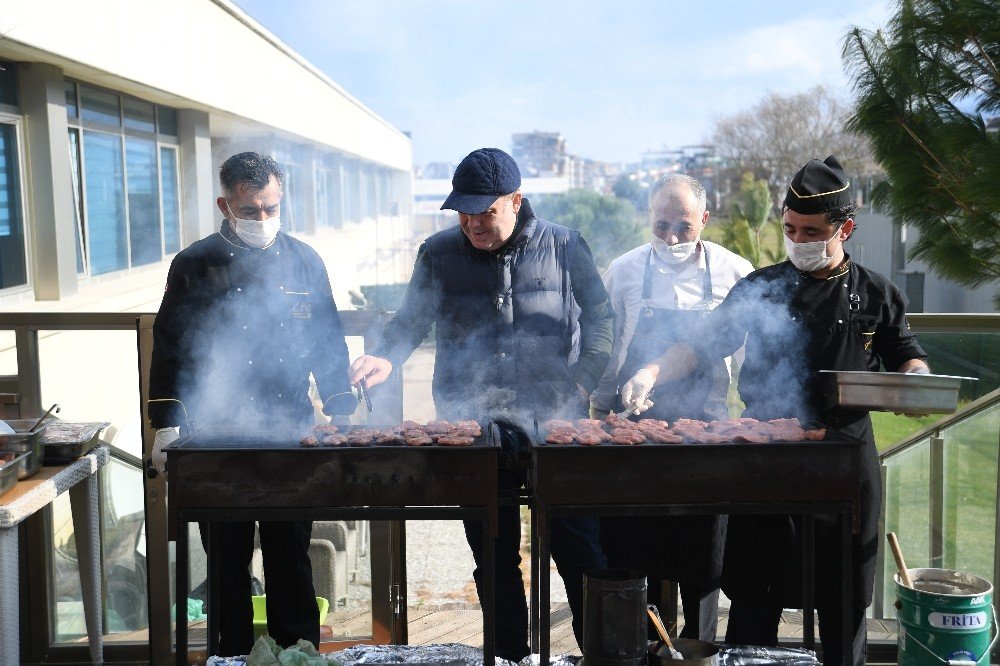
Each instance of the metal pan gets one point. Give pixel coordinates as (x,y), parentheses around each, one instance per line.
(8,472)
(695,653)
(24,440)
(908,393)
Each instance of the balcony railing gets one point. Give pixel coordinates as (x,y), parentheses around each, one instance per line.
(940,482)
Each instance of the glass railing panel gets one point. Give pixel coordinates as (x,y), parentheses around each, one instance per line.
(958,354)
(907,510)
(197,599)
(125,596)
(965,355)
(970,492)
(94,376)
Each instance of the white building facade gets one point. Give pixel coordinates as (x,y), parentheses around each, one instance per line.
(114,118)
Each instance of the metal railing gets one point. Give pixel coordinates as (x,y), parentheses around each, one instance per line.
(21,396)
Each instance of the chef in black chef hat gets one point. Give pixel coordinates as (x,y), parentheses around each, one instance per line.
(820,188)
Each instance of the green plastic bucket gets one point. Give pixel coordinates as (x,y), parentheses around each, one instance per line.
(946,619)
(260,613)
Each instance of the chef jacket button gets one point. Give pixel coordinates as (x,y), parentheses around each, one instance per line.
(840,321)
(281,360)
(250,362)
(239,288)
(231,254)
(251,398)
(503,354)
(244,328)
(277,251)
(793,318)
(279,395)
(282,324)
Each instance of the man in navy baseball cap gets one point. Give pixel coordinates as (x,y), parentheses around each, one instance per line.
(505,291)
(485,193)
(480,179)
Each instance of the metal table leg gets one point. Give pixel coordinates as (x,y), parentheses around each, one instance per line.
(9,597)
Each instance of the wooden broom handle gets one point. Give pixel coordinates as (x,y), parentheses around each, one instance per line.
(904,575)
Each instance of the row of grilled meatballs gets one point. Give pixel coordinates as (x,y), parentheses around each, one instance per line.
(410,433)
(617,430)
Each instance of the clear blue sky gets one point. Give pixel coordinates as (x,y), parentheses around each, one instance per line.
(616,77)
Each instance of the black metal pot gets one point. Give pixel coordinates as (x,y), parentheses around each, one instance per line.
(695,653)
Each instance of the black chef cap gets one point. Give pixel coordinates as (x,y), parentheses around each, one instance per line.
(819,187)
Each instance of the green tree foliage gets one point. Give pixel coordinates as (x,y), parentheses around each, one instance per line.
(634,190)
(751,230)
(926,85)
(610,225)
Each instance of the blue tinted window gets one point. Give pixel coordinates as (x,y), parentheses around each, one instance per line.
(8,83)
(72,111)
(168,120)
(139,115)
(143,201)
(100,106)
(105,189)
(171,201)
(12,264)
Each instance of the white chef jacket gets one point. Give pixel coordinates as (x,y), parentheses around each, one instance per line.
(670,291)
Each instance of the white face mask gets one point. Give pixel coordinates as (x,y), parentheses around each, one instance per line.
(256,233)
(677,253)
(808,257)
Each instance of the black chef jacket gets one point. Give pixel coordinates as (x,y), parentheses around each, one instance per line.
(238,332)
(795,325)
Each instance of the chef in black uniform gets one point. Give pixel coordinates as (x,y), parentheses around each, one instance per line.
(247,314)
(817,311)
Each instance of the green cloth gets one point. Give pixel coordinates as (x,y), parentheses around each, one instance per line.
(267,653)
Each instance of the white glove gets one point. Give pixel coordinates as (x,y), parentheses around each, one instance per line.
(164,437)
(635,393)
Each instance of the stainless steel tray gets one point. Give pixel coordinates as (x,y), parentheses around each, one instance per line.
(8,472)
(908,393)
(64,442)
(25,440)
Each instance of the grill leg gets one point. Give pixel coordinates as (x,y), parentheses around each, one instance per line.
(543,585)
(535,569)
(489,600)
(808,576)
(180,592)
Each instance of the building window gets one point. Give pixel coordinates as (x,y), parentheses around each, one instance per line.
(74,165)
(170,200)
(13,269)
(8,84)
(125,171)
(143,200)
(104,175)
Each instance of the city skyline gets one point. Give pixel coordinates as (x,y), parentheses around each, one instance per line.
(615,79)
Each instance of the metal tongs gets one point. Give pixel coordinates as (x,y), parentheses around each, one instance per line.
(625,413)
(363,389)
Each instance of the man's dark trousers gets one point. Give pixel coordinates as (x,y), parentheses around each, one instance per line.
(292,612)
(575,549)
